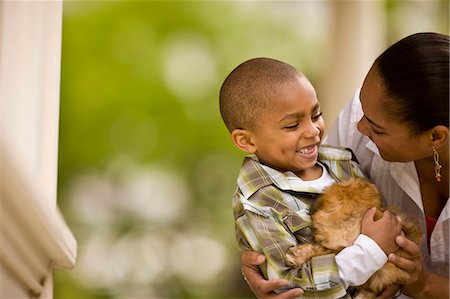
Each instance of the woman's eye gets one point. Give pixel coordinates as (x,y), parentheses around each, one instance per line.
(376,132)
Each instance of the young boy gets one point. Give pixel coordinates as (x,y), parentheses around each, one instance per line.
(273,114)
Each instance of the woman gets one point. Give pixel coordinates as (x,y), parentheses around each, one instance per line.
(401,113)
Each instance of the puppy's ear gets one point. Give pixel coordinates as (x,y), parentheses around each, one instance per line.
(243,139)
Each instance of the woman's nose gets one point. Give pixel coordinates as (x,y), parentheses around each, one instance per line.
(363,127)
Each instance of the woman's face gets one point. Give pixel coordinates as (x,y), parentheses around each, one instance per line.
(393,138)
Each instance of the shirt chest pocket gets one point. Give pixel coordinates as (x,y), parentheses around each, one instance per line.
(299,224)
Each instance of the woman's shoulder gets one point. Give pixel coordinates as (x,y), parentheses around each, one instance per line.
(333,152)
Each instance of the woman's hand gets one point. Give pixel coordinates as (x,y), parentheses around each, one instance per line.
(415,284)
(420,284)
(389,292)
(263,289)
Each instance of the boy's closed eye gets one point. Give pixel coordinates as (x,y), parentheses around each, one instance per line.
(292,126)
(317,116)
(295,125)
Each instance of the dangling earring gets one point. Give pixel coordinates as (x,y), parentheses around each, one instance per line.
(437,166)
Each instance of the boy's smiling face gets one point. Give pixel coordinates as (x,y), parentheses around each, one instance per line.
(290,129)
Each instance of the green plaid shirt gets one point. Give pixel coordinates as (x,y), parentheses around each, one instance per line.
(272,214)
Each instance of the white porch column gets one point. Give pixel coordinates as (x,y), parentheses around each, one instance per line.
(34,238)
(357,38)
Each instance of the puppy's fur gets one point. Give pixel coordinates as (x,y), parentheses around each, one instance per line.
(336,220)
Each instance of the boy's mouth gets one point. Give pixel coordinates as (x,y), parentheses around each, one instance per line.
(309,151)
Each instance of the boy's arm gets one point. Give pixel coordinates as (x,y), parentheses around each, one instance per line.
(264,289)
(354,266)
(273,239)
(357,263)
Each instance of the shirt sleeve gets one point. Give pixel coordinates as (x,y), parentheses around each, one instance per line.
(273,236)
(357,263)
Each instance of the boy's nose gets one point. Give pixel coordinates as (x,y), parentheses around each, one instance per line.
(312,130)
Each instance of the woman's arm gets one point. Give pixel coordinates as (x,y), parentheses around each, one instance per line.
(264,289)
(420,284)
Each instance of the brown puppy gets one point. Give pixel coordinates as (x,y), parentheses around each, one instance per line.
(336,221)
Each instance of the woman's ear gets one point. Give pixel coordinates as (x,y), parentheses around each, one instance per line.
(242,139)
(439,136)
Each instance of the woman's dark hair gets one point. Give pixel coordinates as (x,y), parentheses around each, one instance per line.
(415,75)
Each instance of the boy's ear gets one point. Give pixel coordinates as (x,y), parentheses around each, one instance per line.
(439,136)
(242,139)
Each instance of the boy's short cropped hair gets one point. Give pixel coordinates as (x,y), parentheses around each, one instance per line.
(249,88)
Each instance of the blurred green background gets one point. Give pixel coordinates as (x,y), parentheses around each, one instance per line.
(146,167)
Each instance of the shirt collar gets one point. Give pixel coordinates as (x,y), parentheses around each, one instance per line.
(254,176)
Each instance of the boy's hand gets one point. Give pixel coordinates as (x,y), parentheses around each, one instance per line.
(263,289)
(383,231)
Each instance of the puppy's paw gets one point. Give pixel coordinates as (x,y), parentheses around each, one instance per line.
(300,254)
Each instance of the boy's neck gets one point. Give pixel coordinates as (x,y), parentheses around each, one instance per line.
(310,174)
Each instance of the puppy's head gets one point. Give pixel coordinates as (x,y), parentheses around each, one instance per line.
(337,213)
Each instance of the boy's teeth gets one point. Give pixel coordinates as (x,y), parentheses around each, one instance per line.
(307,151)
